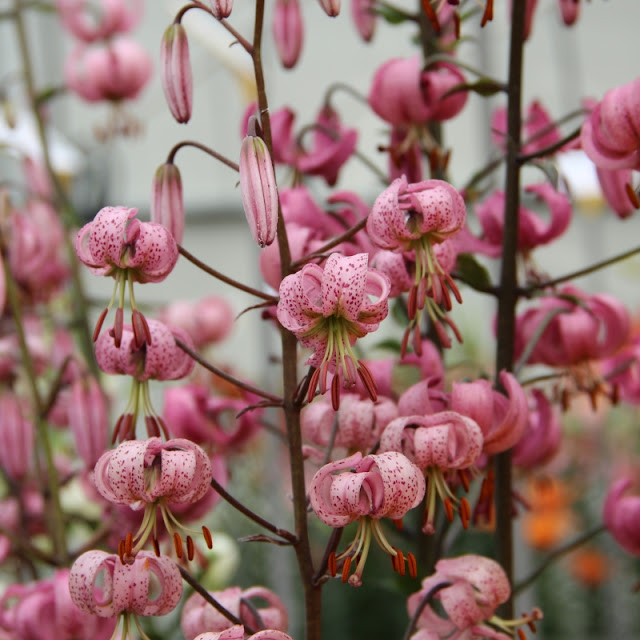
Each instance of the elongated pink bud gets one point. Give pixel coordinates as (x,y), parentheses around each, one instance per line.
(364,18)
(259,190)
(88,420)
(331,7)
(175,72)
(167,203)
(221,8)
(17,437)
(288,31)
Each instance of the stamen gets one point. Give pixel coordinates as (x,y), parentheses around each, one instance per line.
(335,392)
(99,323)
(464,479)
(191,550)
(313,383)
(521,635)
(177,543)
(394,563)
(141,332)
(118,327)
(156,546)
(399,524)
(413,565)
(331,564)
(367,380)
(346,567)
(207,537)
(448,509)
(465,512)
(121,551)
(431,14)
(128,544)
(488,13)
(456,24)
(401,564)
(152,427)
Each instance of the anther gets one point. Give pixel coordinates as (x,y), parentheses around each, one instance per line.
(399,524)
(191,549)
(448,509)
(394,563)
(128,544)
(331,564)
(118,327)
(141,332)
(156,546)
(313,383)
(367,380)
(431,14)
(488,13)
(401,564)
(335,392)
(98,328)
(177,543)
(153,430)
(121,551)
(413,565)
(465,512)
(464,479)
(521,635)
(207,537)
(346,567)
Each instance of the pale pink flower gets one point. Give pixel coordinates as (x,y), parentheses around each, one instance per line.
(116,70)
(364,17)
(258,188)
(379,486)
(328,309)
(167,202)
(175,72)
(441,445)
(221,8)
(99,583)
(288,31)
(91,20)
(621,515)
(331,7)
(199,616)
(237,633)
(502,418)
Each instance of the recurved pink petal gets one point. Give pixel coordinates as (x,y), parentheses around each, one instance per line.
(343,285)
(621,515)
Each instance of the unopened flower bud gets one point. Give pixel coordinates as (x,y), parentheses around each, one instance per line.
(177,82)
(331,7)
(288,31)
(364,18)
(259,190)
(88,420)
(221,8)
(17,437)
(167,203)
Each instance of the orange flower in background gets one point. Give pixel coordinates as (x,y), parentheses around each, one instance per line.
(590,566)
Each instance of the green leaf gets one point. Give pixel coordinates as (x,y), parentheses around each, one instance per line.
(392,15)
(471,272)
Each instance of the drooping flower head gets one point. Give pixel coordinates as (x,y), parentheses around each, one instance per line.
(328,309)
(150,474)
(101,584)
(386,485)
(411,219)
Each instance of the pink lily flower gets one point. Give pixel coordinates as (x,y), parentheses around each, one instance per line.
(610,136)
(412,218)
(424,397)
(237,633)
(621,515)
(149,474)
(386,485)
(364,17)
(101,584)
(331,7)
(475,587)
(617,189)
(328,309)
(258,187)
(167,202)
(116,70)
(199,616)
(288,31)
(221,8)
(175,72)
(502,418)
(360,421)
(88,22)
(440,445)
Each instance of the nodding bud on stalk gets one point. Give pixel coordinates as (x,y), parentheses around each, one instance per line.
(331,7)
(167,203)
(221,8)
(288,31)
(258,187)
(175,72)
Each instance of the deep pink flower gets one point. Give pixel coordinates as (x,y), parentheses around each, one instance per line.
(379,486)
(328,309)
(502,418)
(441,445)
(288,31)
(198,616)
(175,72)
(621,515)
(116,70)
(99,583)
(91,20)
(167,202)
(623,370)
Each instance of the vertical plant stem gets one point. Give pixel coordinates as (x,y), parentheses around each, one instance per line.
(79,304)
(508,294)
(291,406)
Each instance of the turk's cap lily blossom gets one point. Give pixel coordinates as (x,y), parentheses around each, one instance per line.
(611,134)
(175,72)
(258,189)
(199,616)
(17,437)
(331,7)
(288,31)
(157,359)
(116,240)
(386,485)
(167,202)
(116,70)
(360,421)
(502,418)
(621,515)
(424,397)
(89,22)
(221,8)
(364,17)
(145,471)
(125,587)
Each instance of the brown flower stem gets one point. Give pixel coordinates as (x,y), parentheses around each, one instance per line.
(220,276)
(552,148)
(283,533)
(509,285)
(241,384)
(206,149)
